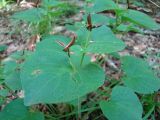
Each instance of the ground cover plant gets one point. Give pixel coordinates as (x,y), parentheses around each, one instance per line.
(59,73)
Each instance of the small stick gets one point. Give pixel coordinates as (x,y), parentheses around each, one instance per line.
(18,2)
(128,4)
(154,3)
(37,2)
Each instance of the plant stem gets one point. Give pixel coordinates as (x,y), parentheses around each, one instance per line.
(97,118)
(49,116)
(82,59)
(117,1)
(85,47)
(154,3)
(84,110)
(149,113)
(118,22)
(79,108)
(101,93)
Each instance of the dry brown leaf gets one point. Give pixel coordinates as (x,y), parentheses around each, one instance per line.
(25,4)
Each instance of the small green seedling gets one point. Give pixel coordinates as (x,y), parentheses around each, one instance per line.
(43,16)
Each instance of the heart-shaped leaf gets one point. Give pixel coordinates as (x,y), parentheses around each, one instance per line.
(30,15)
(11,70)
(16,110)
(50,76)
(127,28)
(104,41)
(139,76)
(140,19)
(103,5)
(99,19)
(124,105)
(52,3)
(12,75)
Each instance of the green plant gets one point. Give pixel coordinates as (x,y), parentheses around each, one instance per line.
(123,17)
(3,3)
(41,18)
(60,70)
(3,48)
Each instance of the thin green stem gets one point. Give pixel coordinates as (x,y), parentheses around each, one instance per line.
(118,21)
(101,93)
(85,47)
(79,108)
(149,113)
(50,117)
(75,112)
(97,118)
(82,58)
(74,69)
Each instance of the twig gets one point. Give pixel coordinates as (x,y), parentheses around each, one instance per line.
(128,4)
(154,3)
(37,3)
(148,32)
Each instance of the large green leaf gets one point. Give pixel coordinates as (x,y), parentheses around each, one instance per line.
(52,3)
(127,28)
(12,75)
(139,76)
(124,105)
(30,15)
(11,70)
(16,110)
(50,76)
(104,41)
(140,19)
(99,19)
(101,5)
